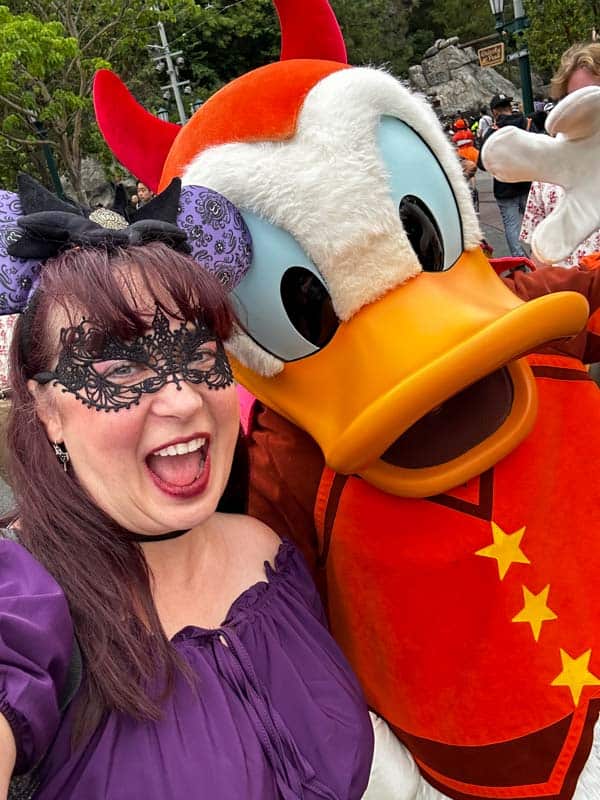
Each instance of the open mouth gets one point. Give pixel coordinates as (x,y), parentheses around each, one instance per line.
(455,426)
(180,468)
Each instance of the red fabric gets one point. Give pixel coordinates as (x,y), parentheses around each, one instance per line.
(230,115)
(138,139)
(508,264)
(590,261)
(310,30)
(463,135)
(469,152)
(527,285)
(428,624)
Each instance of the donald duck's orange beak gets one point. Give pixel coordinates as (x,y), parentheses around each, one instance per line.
(421,411)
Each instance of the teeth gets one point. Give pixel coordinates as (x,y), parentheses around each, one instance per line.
(182,448)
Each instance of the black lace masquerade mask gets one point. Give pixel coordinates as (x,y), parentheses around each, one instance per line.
(107,373)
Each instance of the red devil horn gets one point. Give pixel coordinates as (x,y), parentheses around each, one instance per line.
(138,139)
(309,29)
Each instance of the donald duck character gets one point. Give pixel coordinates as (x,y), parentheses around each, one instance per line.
(440,483)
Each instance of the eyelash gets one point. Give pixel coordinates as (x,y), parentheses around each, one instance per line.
(123,370)
(204,354)
(114,371)
(207,354)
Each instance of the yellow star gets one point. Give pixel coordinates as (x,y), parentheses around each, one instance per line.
(535,611)
(575,674)
(506,549)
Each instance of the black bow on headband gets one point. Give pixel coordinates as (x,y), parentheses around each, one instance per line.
(50,225)
(36,225)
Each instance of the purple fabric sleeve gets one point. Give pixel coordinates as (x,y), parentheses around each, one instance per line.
(36,639)
(274,713)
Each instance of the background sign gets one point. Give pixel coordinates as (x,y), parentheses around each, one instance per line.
(491,56)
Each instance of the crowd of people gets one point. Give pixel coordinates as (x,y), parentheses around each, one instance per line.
(524,205)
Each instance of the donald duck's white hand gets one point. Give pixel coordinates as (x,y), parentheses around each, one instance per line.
(571,159)
(394,774)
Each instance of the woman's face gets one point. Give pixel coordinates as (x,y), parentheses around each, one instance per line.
(143,192)
(161,464)
(580,78)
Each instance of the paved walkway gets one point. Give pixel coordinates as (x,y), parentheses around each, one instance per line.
(489,216)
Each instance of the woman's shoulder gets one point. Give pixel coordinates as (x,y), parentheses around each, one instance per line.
(275,566)
(21,574)
(252,540)
(263,556)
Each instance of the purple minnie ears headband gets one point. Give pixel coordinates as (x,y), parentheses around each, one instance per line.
(35,225)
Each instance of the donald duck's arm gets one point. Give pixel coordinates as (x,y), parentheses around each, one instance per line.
(584,280)
(285,468)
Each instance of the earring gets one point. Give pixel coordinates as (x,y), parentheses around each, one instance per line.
(61,454)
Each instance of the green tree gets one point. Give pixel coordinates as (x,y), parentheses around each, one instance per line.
(49,52)
(222,39)
(375,32)
(440,19)
(467,19)
(557,24)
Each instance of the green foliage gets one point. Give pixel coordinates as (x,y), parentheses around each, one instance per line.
(440,19)
(222,40)
(50,49)
(49,52)
(467,19)
(557,24)
(375,32)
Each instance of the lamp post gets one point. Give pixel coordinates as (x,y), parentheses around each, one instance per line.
(42,134)
(515,30)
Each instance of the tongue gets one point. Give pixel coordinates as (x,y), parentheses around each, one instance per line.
(178,470)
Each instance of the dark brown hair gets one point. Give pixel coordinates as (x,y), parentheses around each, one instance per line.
(129,663)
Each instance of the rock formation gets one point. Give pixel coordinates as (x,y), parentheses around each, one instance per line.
(450,76)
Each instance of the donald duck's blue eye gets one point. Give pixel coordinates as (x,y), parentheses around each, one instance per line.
(423,233)
(423,195)
(283,304)
(308,305)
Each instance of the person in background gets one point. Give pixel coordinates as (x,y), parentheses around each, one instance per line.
(485,123)
(511,198)
(143,196)
(465,147)
(539,115)
(579,67)
(469,155)
(460,124)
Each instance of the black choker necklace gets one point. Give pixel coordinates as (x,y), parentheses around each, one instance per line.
(142,537)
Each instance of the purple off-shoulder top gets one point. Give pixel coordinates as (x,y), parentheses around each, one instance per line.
(276,712)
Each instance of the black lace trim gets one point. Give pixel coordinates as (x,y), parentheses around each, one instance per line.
(192,355)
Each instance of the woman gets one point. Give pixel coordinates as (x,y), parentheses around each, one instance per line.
(143,196)
(207,670)
(579,67)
